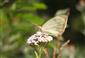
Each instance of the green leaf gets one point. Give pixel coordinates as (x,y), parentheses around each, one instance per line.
(40,6)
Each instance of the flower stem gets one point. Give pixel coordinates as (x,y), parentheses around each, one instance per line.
(39,51)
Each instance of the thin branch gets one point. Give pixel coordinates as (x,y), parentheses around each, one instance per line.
(60,50)
(65,44)
(46,52)
(54,53)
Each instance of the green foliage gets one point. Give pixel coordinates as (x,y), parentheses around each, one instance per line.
(16,26)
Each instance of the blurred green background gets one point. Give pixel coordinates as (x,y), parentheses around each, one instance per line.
(17,16)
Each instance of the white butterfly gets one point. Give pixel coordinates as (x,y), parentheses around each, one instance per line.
(56,25)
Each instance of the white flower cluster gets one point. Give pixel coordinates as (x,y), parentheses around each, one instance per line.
(39,37)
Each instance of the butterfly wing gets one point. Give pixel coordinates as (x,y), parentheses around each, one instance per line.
(56,25)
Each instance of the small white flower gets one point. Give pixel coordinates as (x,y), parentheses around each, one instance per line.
(38,38)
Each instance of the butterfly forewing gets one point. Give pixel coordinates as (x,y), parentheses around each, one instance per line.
(56,25)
